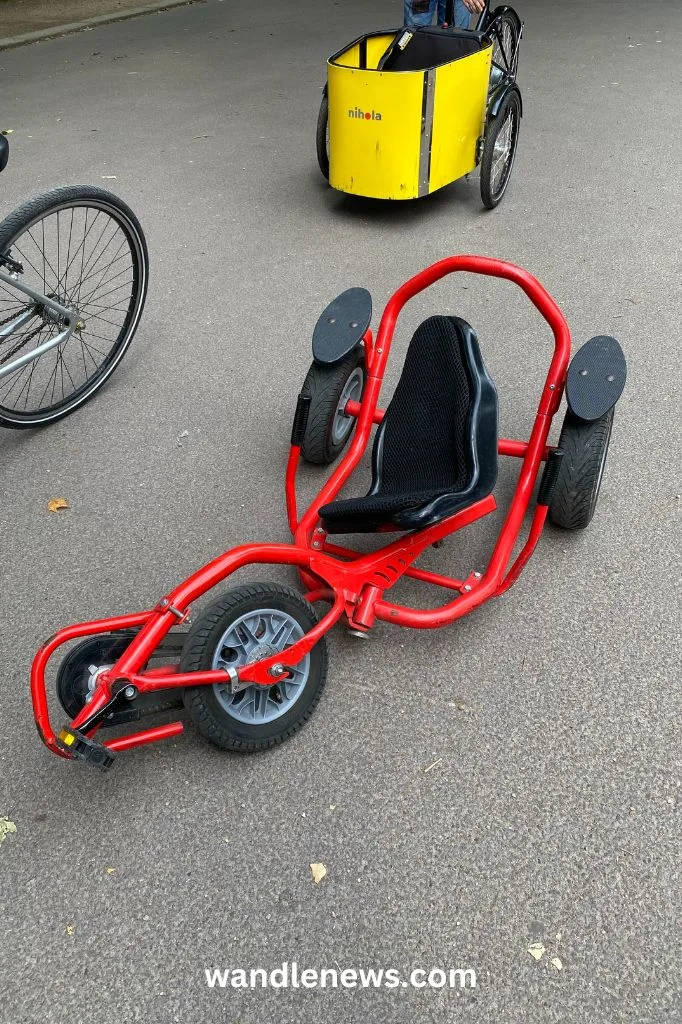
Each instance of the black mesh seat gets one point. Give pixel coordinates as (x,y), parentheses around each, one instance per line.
(435,451)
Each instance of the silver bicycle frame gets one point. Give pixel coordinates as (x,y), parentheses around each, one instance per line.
(69,316)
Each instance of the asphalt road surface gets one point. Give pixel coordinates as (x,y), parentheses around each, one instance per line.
(552,813)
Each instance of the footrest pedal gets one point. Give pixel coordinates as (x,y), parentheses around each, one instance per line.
(80,747)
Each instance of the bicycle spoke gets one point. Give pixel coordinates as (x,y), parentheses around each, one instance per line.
(100,284)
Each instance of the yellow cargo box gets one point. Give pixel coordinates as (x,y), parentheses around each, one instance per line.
(407,111)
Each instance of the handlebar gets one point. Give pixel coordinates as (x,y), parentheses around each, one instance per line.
(490,267)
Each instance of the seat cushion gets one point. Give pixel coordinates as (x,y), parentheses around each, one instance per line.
(435,451)
(390,511)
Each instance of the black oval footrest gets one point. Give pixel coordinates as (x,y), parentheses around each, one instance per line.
(596,378)
(342,325)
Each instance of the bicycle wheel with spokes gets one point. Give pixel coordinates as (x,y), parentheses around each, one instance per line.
(499,150)
(83,248)
(505,31)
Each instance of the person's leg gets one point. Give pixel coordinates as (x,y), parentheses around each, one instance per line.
(462,15)
(418,13)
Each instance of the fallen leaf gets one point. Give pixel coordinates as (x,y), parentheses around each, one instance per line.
(108,177)
(56,504)
(319,871)
(70,929)
(556,962)
(434,765)
(7,827)
(110,871)
(536,950)
(332,807)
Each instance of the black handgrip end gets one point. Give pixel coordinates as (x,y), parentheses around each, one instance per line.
(300,419)
(549,477)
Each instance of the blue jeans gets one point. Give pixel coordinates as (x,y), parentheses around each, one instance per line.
(413,20)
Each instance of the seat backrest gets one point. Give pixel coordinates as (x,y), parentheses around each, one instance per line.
(429,48)
(440,428)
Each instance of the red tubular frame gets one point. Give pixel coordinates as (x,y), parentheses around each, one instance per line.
(354,583)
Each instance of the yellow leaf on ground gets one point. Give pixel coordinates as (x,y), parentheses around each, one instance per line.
(537,950)
(6,828)
(319,871)
(70,929)
(56,504)
(110,871)
(556,962)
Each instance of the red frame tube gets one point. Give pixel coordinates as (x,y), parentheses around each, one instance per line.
(354,582)
(517,449)
(138,739)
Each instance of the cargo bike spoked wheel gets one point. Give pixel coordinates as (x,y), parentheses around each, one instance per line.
(499,150)
(248,624)
(505,33)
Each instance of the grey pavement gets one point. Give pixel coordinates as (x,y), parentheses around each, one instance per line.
(553,815)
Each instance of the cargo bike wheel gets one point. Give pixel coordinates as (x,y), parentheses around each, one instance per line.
(499,150)
(505,30)
(322,137)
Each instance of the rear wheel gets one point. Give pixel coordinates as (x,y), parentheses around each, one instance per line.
(245,625)
(585,446)
(330,388)
(83,248)
(499,150)
(322,138)
(79,672)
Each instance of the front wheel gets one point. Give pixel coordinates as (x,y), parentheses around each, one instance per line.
(84,248)
(499,150)
(330,388)
(246,625)
(585,445)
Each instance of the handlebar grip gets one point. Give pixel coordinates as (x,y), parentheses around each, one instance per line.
(300,419)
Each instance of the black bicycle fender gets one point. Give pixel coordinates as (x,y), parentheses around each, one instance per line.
(498,97)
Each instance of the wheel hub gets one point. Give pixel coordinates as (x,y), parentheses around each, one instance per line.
(261,651)
(256,635)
